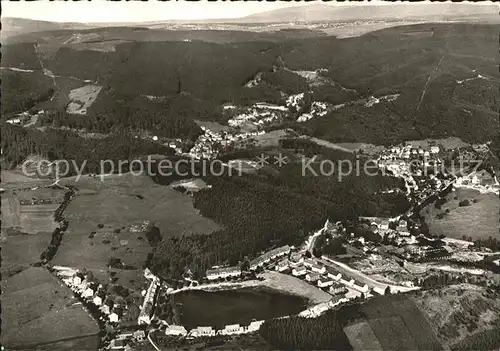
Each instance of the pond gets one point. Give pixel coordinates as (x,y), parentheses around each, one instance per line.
(241,306)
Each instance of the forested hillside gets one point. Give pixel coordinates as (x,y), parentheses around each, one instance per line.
(21,91)
(297,333)
(18,143)
(260,210)
(441,85)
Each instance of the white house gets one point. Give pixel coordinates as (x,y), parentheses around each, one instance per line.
(203,331)
(323,283)
(139,335)
(104,309)
(384,225)
(282,265)
(364,289)
(254,326)
(97,301)
(497,262)
(296,259)
(337,289)
(213,274)
(402,230)
(435,149)
(176,330)
(309,262)
(117,344)
(231,329)
(88,293)
(14,121)
(318,268)
(299,271)
(113,317)
(77,280)
(334,275)
(124,336)
(312,277)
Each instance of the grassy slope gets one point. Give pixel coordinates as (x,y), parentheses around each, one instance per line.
(36,308)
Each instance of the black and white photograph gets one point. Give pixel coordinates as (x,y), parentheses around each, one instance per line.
(250,175)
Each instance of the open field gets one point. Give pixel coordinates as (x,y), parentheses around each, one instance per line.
(103,46)
(330,145)
(38,218)
(367,149)
(109,218)
(32,218)
(10,212)
(19,251)
(361,337)
(82,98)
(271,138)
(213,126)
(47,194)
(479,220)
(15,176)
(38,309)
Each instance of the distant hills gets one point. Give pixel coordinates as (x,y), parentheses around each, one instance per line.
(14,25)
(317,12)
(324,12)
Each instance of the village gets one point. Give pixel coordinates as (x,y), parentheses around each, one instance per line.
(394,257)
(418,256)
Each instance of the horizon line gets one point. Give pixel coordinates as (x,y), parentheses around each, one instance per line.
(232,17)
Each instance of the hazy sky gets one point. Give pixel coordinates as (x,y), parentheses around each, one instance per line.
(135,11)
(153,10)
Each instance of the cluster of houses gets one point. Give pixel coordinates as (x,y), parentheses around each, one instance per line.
(91,292)
(258,115)
(420,251)
(477,180)
(318,109)
(123,340)
(139,227)
(147,308)
(37,201)
(223,273)
(232,329)
(408,152)
(210,143)
(24,117)
(267,257)
(233,272)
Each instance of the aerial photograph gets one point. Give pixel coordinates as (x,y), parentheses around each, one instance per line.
(250,175)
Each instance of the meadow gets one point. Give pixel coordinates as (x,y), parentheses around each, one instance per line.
(478,221)
(38,309)
(109,218)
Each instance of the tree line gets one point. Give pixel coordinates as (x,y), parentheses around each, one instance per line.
(298,333)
